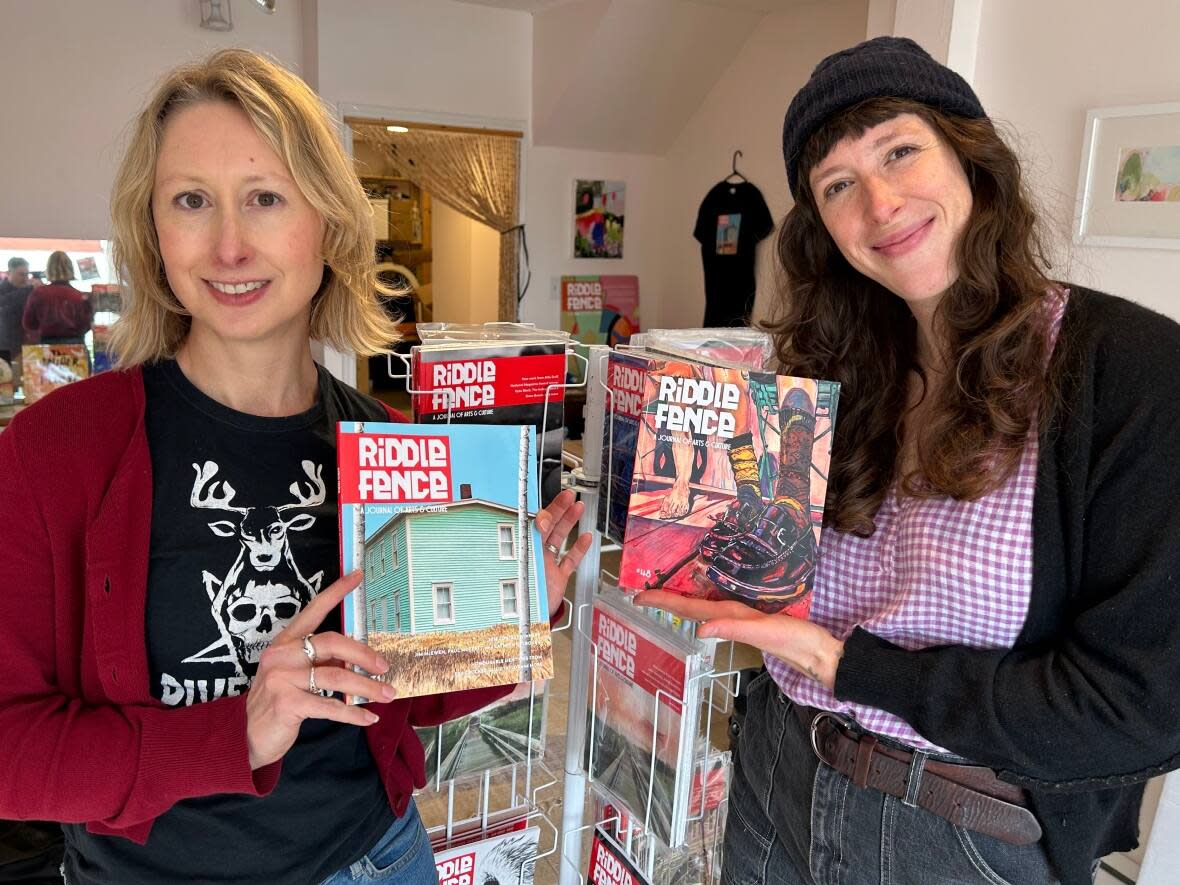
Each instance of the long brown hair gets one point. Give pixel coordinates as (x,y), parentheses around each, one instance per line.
(836,323)
(298,126)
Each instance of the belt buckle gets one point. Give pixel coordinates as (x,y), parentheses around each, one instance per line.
(821,715)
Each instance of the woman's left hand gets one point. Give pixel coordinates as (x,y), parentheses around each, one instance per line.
(805,646)
(555,522)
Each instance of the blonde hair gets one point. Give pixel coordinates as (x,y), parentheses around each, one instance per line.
(346,311)
(59,268)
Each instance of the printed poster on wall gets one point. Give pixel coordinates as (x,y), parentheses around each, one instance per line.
(599,210)
(599,310)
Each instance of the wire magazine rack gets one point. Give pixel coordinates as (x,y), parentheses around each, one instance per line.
(530,782)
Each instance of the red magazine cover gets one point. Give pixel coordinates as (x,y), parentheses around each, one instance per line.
(609,864)
(727,492)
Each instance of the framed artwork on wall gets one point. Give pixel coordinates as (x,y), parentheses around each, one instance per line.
(599,214)
(1129,183)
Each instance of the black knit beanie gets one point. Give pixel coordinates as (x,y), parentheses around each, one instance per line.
(884,67)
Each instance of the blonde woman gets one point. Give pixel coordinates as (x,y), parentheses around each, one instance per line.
(57,313)
(181,740)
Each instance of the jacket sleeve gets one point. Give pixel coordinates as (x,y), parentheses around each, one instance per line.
(1096,702)
(73,761)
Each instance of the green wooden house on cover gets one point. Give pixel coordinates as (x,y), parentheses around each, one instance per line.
(450,571)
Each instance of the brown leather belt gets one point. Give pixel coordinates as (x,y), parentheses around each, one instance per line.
(968,796)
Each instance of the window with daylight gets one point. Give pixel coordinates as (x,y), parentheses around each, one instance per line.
(508,606)
(507,540)
(444,609)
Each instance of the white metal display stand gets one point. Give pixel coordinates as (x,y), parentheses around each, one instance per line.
(569,838)
(582,655)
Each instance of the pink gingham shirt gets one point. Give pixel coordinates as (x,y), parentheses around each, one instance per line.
(935,572)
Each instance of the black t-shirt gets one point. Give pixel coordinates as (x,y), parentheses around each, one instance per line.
(225,574)
(732,219)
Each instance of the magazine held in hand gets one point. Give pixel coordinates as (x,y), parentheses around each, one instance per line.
(435,516)
(728,479)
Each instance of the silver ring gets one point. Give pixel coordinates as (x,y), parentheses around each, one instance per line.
(311,686)
(309,649)
(554,549)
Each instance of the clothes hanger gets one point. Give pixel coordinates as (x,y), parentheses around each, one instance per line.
(735,174)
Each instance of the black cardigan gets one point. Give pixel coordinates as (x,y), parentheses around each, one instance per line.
(1086,705)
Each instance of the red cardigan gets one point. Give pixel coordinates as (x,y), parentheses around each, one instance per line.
(83,739)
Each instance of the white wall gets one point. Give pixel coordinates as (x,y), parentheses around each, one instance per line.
(484,283)
(75,72)
(1040,66)
(450,270)
(549,204)
(431,55)
(465,272)
(745,110)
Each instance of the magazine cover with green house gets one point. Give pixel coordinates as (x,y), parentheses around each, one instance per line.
(441,520)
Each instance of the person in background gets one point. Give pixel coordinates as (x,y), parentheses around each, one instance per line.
(989,674)
(170,597)
(14,295)
(57,313)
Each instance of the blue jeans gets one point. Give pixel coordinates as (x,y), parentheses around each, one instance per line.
(794,821)
(402,855)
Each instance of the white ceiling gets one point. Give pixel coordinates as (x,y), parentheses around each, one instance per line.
(627,75)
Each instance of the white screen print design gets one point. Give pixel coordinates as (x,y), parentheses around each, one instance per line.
(264,588)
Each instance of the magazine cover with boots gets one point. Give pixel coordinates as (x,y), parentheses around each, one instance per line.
(727,493)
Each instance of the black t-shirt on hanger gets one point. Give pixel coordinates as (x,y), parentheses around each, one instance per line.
(732,219)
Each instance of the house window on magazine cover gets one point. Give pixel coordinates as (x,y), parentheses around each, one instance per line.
(509,610)
(507,534)
(377,615)
(444,608)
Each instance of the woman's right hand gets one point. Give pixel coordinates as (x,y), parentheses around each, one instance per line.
(279,699)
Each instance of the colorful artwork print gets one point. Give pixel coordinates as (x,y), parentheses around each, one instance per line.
(728,488)
(1149,175)
(599,310)
(599,213)
(729,228)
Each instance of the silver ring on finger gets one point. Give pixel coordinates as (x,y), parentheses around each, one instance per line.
(309,649)
(312,687)
(554,549)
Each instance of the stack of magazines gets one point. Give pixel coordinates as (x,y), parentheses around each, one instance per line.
(644,714)
(621,843)
(494,373)
(506,859)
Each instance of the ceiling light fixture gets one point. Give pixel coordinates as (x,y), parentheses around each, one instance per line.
(396,129)
(268,6)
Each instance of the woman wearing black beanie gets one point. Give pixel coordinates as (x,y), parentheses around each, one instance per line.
(988,677)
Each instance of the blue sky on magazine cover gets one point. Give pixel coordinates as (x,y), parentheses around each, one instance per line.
(472,457)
